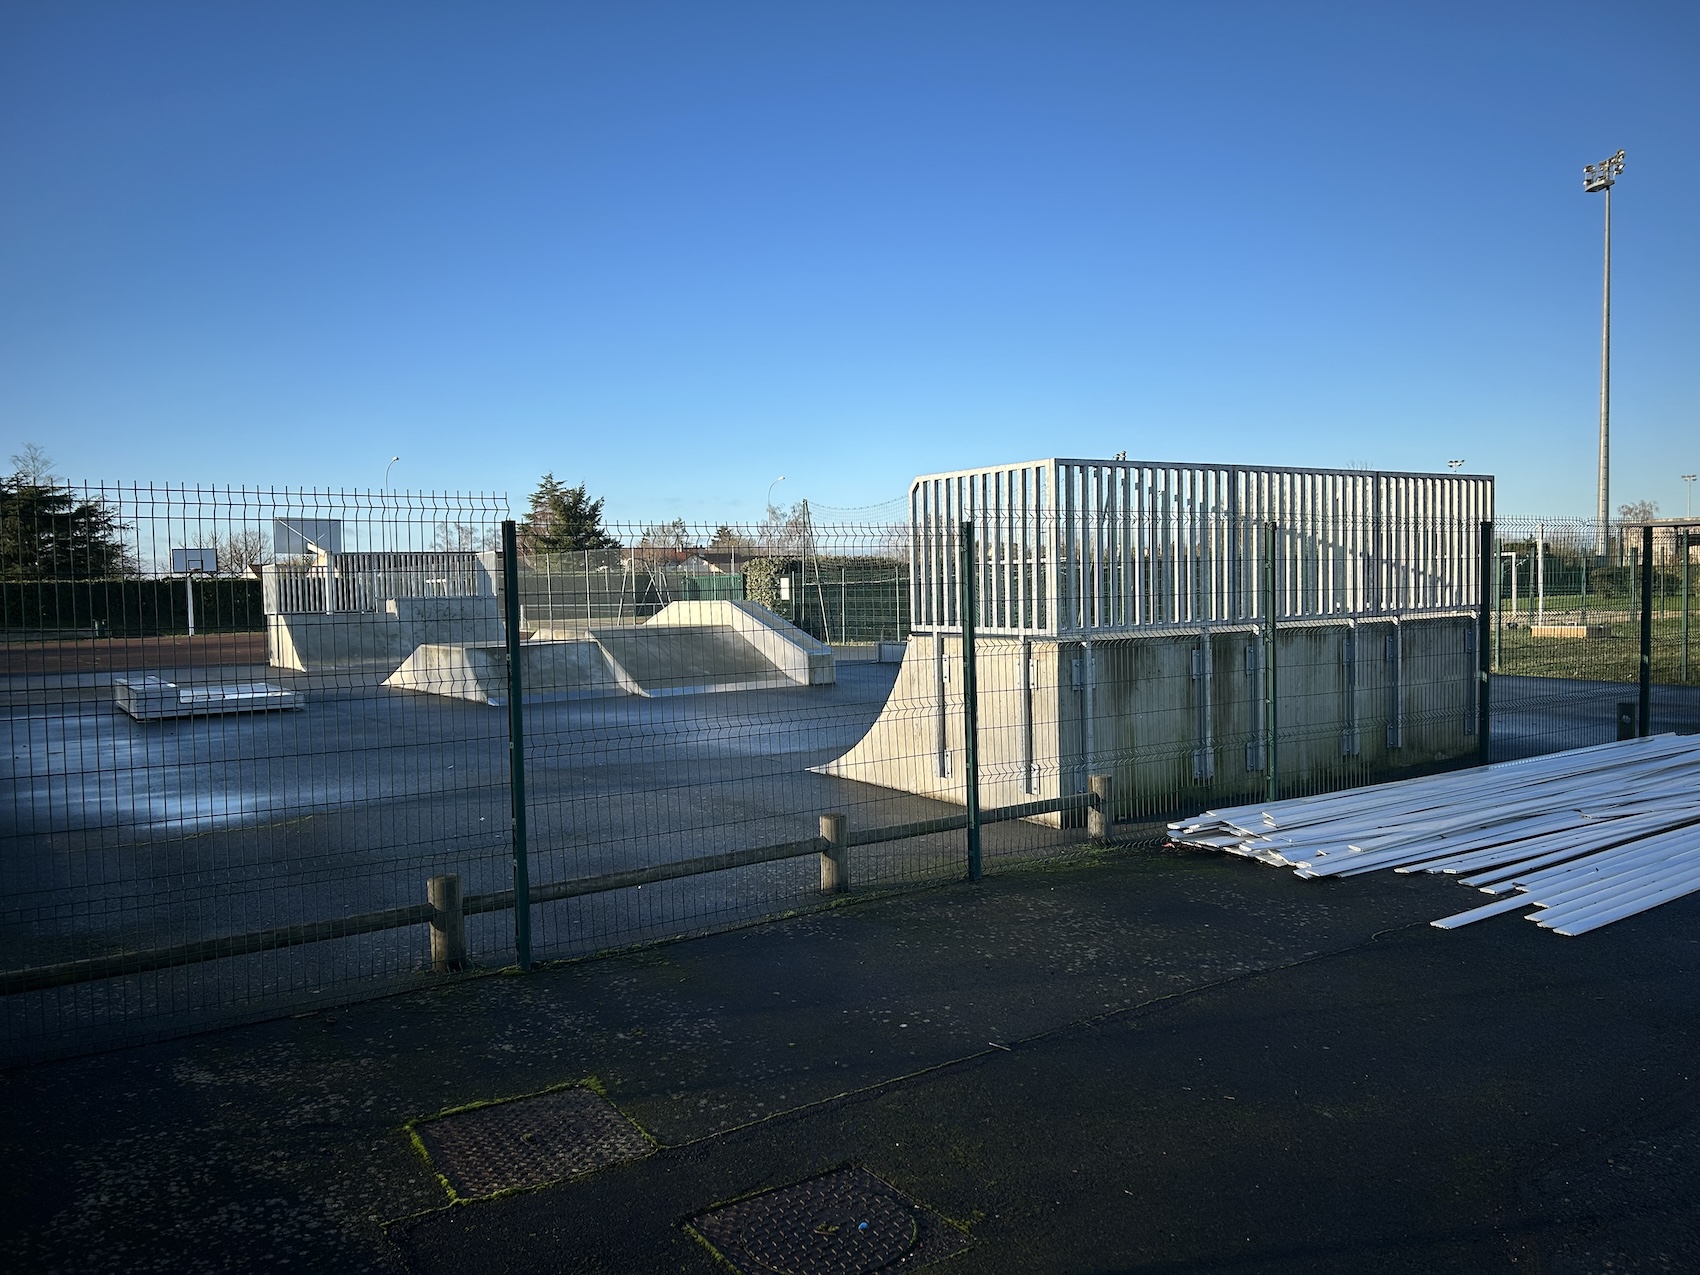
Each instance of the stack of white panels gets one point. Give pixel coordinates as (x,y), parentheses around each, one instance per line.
(1588,836)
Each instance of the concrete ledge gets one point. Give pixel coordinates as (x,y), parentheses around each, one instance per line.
(150,698)
(1570,630)
(868,652)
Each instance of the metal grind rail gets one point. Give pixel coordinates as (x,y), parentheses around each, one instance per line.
(447,908)
(1587,837)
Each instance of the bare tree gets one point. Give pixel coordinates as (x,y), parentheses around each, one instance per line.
(460,537)
(674,536)
(241,549)
(786,533)
(33,467)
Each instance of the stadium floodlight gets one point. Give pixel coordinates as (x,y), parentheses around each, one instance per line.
(1455,465)
(1599,179)
(1601,176)
(1689,479)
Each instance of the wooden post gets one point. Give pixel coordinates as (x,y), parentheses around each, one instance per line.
(448,926)
(835,859)
(1099,815)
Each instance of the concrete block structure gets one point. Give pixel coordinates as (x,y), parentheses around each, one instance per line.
(1123,627)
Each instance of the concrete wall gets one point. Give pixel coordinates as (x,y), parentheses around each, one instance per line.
(1176,717)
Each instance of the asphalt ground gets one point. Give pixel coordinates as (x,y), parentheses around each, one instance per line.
(121,655)
(1151,1061)
(123,836)
(117,835)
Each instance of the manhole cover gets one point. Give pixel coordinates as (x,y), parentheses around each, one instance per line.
(843,1223)
(529,1141)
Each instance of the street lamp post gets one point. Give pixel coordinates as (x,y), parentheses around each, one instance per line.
(770,488)
(1689,479)
(1599,179)
(393,460)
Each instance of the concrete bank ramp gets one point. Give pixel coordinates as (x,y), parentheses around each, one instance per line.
(681,659)
(689,648)
(793,652)
(574,670)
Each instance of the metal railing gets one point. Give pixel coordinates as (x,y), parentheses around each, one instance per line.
(365,581)
(1089,546)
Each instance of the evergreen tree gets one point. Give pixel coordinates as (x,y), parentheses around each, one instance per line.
(563,520)
(47,533)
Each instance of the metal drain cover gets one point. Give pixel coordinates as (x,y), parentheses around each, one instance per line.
(842,1223)
(529,1141)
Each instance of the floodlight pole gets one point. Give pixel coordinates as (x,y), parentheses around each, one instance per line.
(1599,179)
(386,537)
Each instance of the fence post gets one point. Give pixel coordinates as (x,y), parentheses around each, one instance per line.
(835,859)
(970,701)
(448,926)
(1687,551)
(1270,732)
(1099,815)
(1646,714)
(1484,632)
(516,745)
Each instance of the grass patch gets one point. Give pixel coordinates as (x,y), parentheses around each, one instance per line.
(1613,659)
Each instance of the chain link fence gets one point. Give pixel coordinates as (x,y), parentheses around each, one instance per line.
(273,749)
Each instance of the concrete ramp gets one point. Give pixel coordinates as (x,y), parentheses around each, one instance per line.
(312,642)
(793,652)
(688,659)
(571,670)
(917,743)
(689,648)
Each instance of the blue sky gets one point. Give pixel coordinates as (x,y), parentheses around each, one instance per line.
(676,250)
